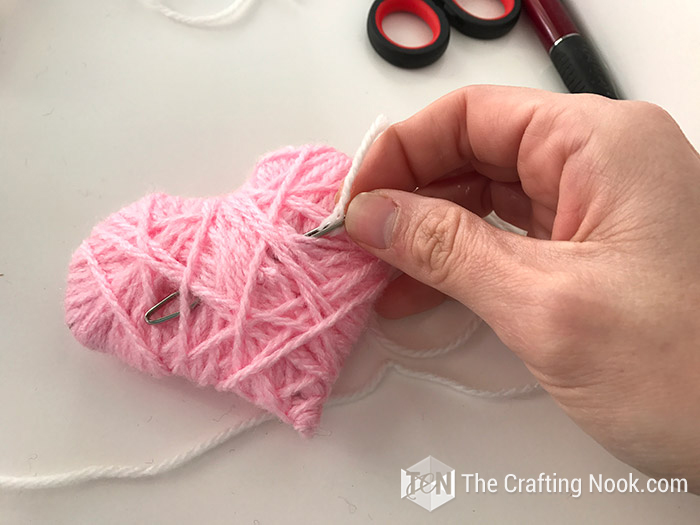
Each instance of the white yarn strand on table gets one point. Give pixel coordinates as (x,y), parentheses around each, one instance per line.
(113,472)
(228,15)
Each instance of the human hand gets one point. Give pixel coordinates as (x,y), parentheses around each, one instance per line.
(601,299)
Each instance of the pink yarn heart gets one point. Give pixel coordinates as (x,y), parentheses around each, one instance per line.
(279,311)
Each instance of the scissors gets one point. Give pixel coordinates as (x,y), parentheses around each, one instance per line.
(439,15)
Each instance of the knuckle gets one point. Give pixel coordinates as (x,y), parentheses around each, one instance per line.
(435,243)
(650,112)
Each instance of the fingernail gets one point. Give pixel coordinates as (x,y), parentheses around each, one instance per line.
(370,219)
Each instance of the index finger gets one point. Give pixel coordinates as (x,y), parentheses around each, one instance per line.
(478,127)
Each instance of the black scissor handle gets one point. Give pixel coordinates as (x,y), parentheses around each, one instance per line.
(402,56)
(485,28)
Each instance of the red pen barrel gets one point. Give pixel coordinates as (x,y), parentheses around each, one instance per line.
(576,61)
(550,19)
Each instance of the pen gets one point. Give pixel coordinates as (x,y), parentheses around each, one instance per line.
(578,64)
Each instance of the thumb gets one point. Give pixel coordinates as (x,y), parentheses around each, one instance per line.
(448,248)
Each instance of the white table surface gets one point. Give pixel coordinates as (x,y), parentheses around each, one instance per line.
(104,101)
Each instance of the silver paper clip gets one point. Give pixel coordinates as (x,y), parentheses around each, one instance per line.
(148,316)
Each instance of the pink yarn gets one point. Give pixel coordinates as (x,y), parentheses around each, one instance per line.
(279,311)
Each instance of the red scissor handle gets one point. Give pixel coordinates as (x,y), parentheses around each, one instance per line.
(485,28)
(438,16)
(402,56)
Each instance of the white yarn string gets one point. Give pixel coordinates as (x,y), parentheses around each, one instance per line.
(505,393)
(337,216)
(495,220)
(95,473)
(397,349)
(111,472)
(226,16)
